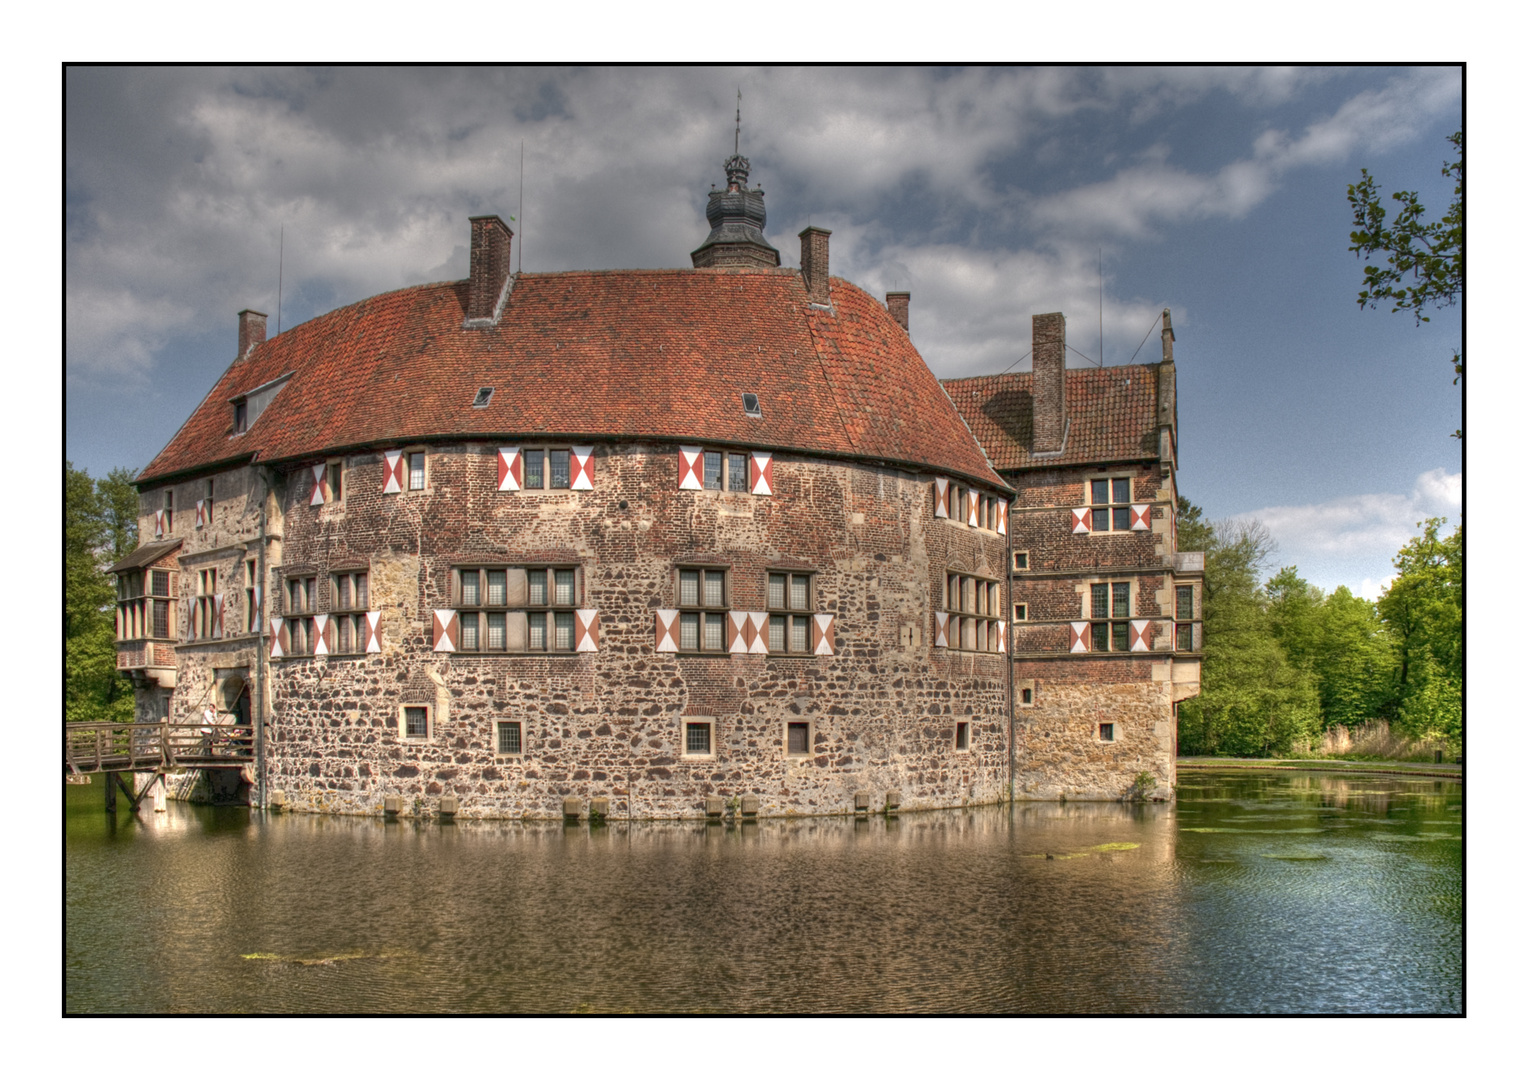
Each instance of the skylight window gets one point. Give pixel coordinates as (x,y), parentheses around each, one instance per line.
(484,395)
(751,405)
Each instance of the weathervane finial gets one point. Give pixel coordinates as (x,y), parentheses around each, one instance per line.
(738,133)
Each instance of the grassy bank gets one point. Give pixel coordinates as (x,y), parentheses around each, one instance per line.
(1447,770)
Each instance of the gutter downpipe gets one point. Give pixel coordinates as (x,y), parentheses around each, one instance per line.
(260,647)
(1007,615)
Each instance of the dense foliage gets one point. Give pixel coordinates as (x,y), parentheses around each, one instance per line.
(100,526)
(1285,662)
(1424,260)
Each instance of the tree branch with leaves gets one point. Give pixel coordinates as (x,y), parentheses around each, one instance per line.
(1424,260)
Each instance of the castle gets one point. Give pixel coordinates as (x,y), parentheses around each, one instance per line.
(665,543)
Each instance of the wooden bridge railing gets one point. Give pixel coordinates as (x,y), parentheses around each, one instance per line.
(104,747)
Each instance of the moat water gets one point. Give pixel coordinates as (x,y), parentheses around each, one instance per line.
(1255,893)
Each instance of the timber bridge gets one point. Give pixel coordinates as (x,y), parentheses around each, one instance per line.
(157,748)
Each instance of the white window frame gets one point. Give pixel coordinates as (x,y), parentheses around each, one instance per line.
(709,722)
(403,722)
(811,737)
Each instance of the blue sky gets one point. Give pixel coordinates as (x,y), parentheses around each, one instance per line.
(990,193)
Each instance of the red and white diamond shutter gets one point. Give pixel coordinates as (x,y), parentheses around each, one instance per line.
(582,460)
(736,627)
(1140,517)
(689,468)
(323,635)
(1140,635)
(761,473)
(1079,637)
(318,486)
(941,497)
(942,629)
(201,513)
(973,510)
(510,464)
(254,616)
(280,639)
(158,523)
(373,631)
(758,635)
(1002,517)
(446,629)
(1082,520)
(392,472)
(822,635)
(666,629)
(586,630)
(1002,635)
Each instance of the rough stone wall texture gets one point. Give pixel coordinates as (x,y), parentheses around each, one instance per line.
(609,723)
(1058,749)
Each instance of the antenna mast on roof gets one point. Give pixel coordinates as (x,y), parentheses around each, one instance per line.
(1100,307)
(280,266)
(520,247)
(737,133)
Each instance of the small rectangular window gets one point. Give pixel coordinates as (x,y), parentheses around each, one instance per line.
(240,416)
(1185,602)
(416,722)
(1021,560)
(1027,696)
(713,465)
(416,470)
(1020,612)
(798,737)
(160,583)
(161,618)
(559,469)
(777,633)
(799,633)
(335,479)
(1121,594)
(1106,732)
(509,737)
(496,588)
(963,735)
(535,474)
(697,738)
(1110,504)
(737,472)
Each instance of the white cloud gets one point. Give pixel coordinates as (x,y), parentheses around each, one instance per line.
(1138,198)
(1330,541)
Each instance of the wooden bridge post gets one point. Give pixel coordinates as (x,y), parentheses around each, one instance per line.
(111,792)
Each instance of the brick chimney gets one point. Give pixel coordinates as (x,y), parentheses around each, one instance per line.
(251,330)
(814,263)
(896,303)
(490,268)
(1049,352)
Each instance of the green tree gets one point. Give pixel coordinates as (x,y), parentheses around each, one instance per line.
(1424,260)
(1424,611)
(1252,701)
(96,528)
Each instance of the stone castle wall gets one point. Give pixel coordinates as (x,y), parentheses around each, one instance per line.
(882,709)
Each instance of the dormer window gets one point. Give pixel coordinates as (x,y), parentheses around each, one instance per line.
(248,406)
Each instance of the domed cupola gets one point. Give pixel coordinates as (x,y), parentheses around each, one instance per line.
(737,223)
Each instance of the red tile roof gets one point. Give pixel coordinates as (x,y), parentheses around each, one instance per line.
(621,354)
(1112,414)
